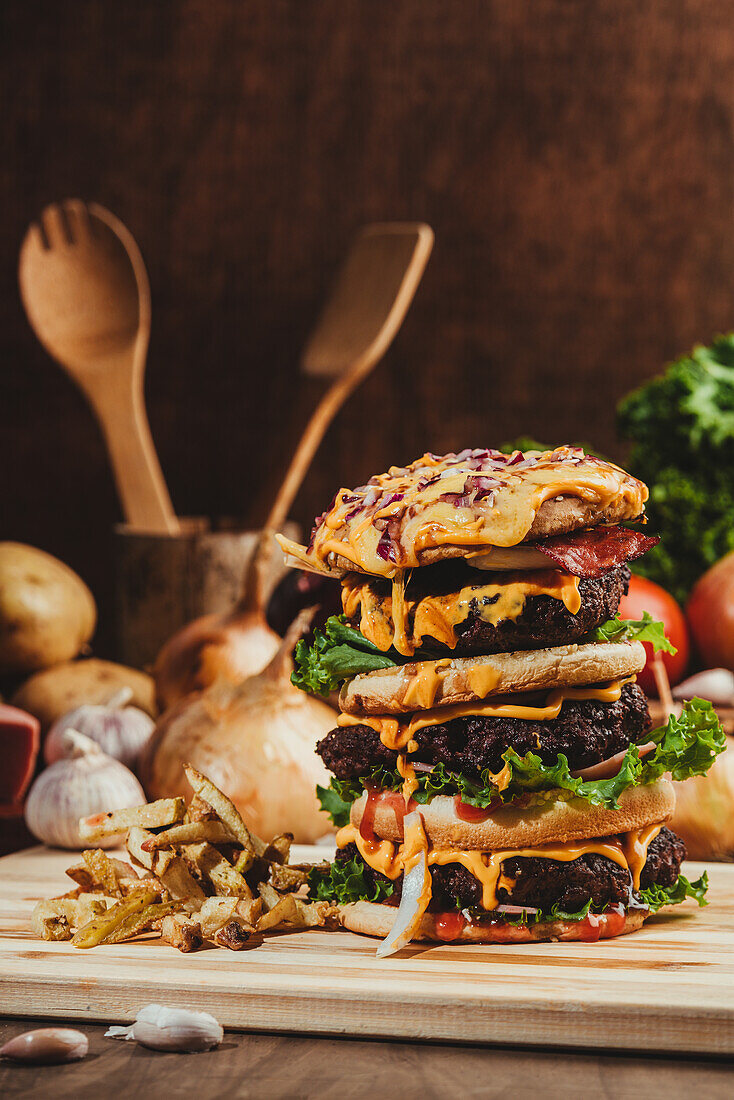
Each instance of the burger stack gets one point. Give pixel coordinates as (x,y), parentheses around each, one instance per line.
(496,778)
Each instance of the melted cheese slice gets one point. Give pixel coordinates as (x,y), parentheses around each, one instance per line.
(397,735)
(384,620)
(389,859)
(476,499)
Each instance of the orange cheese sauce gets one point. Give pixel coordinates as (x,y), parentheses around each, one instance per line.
(635,846)
(384,620)
(389,859)
(397,735)
(412,500)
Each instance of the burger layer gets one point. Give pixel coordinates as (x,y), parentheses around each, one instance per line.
(586,731)
(543,884)
(452,607)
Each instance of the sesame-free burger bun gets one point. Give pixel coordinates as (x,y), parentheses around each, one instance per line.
(374,919)
(404,689)
(554,820)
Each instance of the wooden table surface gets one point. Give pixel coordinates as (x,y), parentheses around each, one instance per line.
(273,1066)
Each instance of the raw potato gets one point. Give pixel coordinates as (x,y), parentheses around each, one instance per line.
(47,613)
(54,692)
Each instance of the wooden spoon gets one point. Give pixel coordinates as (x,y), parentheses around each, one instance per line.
(372,294)
(367,306)
(85,290)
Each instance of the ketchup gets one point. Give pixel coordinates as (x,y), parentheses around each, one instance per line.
(396,802)
(590,928)
(469,813)
(449,926)
(367,824)
(604,926)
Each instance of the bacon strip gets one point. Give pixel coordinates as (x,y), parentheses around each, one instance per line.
(591,553)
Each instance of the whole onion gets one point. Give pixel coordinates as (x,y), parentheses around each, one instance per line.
(704,809)
(710,613)
(220,648)
(119,730)
(256,741)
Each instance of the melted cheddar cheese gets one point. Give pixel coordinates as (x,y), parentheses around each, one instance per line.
(470,500)
(403,623)
(397,735)
(389,859)
(635,845)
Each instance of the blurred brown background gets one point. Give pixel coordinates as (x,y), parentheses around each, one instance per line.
(576,160)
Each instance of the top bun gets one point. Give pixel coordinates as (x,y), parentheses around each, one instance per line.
(454,505)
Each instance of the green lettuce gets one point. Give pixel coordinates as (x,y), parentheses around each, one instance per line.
(348,880)
(645,629)
(337,653)
(655,897)
(686,746)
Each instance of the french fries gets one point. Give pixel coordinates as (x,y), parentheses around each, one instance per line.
(197,875)
(152,815)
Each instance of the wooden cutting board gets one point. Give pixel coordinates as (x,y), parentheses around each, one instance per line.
(669,987)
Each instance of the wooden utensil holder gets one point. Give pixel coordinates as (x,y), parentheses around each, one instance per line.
(164,581)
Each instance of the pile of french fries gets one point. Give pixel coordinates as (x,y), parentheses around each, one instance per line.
(197,875)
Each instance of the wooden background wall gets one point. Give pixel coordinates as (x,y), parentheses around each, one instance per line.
(576,161)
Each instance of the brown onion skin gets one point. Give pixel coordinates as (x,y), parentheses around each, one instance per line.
(710,613)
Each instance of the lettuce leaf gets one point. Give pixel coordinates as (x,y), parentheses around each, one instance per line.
(348,880)
(685,746)
(337,653)
(645,629)
(655,897)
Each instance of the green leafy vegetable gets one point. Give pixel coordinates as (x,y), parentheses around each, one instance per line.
(645,629)
(337,653)
(348,880)
(685,746)
(681,426)
(655,897)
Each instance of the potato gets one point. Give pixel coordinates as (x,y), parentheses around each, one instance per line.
(54,692)
(47,613)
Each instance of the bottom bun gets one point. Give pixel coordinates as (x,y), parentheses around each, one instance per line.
(374,919)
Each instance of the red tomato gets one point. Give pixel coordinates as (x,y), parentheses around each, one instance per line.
(645,595)
(710,613)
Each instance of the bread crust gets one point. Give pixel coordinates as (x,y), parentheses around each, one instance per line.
(374,919)
(471,679)
(558,516)
(554,820)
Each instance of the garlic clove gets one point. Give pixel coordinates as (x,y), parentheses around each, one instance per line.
(714,684)
(163,1027)
(46,1046)
(85,782)
(120,730)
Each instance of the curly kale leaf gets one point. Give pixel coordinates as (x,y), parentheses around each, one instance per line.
(346,881)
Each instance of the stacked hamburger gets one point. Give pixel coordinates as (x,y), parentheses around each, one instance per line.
(496,777)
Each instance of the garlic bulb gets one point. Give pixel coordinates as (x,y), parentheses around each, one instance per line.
(46,1046)
(120,730)
(256,741)
(161,1027)
(85,781)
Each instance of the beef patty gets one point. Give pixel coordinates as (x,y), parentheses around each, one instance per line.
(543,883)
(586,731)
(543,622)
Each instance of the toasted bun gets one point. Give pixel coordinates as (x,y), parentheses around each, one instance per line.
(554,517)
(468,679)
(373,919)
(553,820)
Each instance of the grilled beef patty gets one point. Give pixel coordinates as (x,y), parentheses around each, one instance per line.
(543,883)
(586,731)
(544,621)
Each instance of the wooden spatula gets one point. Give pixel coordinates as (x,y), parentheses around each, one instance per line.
(85,290)
(368,304)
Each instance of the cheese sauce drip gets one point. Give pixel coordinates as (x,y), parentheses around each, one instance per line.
(388,859)
(635,846)
(385,620)
(398,735)
(472,499)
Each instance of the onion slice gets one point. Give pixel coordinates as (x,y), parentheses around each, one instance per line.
(416,893)
(607,769)
(515,909)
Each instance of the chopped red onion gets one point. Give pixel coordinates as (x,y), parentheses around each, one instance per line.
(515,909)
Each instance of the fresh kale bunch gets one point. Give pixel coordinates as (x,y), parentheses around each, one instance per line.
(681,426)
